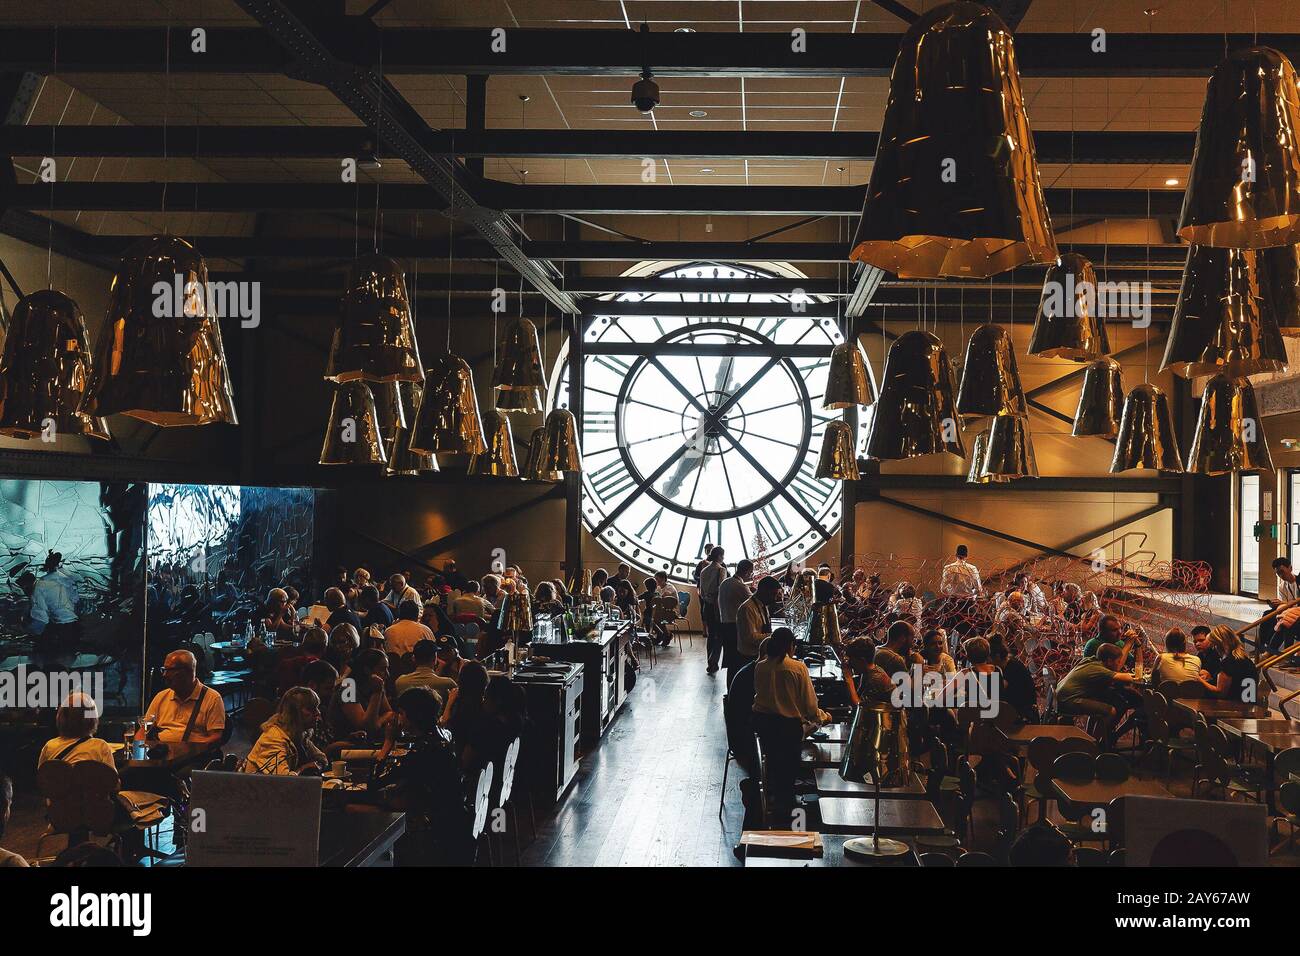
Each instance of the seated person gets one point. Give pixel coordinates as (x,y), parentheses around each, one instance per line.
(896,656)
(186,710)
(546,600)
(1175,664)
(449,660)
(361,704)
(373,612)
(285,746)
(76,722)
(471,604)
(738,715)
(465,702)
(866,680)
(785,711)
(399,591)
(426,783)
(1018,688)
(337,604)
(500,722)
(288,670)
(407,631)
(1110,630)
(7,857)
(425,658)
(280,618)
(1094,687)
(343,645)
(1205,650)
(934,653)
(1238,678)
(1011,618)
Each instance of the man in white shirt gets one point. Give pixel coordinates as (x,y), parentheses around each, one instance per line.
(402,635)
(710,581)
(1279,632)
(961,579)
(471,602)
(399,591)
(732,593)
(186,711)
(754,618)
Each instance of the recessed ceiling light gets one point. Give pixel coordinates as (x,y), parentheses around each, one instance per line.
(1171,181)
(706,169)
(699,114)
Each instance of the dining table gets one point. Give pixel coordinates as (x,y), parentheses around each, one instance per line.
(1213,709)
(1253,727)
(857,815)
(1099,793)
(832,855)
(815,755)
(1023,735)
(830,785)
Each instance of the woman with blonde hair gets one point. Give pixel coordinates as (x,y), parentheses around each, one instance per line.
(285,745)
(76,721)
(1237,677)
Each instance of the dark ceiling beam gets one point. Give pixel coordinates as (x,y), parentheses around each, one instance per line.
(321,47)
(904,13)
(337,142)
(615,52)
(533,200)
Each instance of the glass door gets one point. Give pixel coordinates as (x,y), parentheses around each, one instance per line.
(1247,546)
(1293,516)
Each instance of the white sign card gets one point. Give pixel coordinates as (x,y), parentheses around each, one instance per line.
(251,819)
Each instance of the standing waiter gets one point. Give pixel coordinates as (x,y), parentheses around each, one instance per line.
(960,586)
(707,583)
(54,608)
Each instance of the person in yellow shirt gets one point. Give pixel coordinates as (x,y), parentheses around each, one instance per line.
(186,710)
(76,721)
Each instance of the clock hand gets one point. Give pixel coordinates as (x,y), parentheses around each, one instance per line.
(693,459)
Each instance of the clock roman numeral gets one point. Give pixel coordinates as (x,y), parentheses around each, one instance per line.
(612,480)
(769,521)
(811,490)
(598,421)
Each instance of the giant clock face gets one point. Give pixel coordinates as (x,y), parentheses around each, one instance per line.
(705,431)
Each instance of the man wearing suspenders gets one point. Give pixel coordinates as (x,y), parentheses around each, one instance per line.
(186,710)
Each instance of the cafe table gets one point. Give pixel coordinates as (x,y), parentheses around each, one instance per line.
(1023,735)
(1212,709)
(857,815)
(830,734)
(817,755)
(830,785)
(1098,793)
(178,755)
(1253,727)
(833,855)
(359,839)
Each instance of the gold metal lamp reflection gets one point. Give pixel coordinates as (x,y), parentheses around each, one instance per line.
(1067,325)
(838,460)
(1244,188)
(955,189)
(878,750)
(990,380)
(448,418)
(560,450)
(1229,431)
(849,381)
(533,470)
(519,369)
(352,436)
(401,460)
(499,459)
(375,337)
(45,370)
(975,474)
(160,358)
(1227,315)
(1147,439)
(516,613)
(915,413)
(1008,451)
(1101,400)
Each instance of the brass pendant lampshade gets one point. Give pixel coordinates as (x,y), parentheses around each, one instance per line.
(1101,400)
(1229,432)
(533,470)
(402,462)
(839,458)
(1225,320)
(374,340)
(1147,439)
(499,459)
(1008,451)
(954,189)
(516,613)
(520,400)
(160,358)
(915,413)
(352,436)
(1067,325)
(849,381)
(448,419)
(975,474)
(560,450)
(45,370)
(990,381)
(1244,188)
(519,367)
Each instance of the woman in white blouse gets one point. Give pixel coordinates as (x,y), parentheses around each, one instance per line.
(285,746)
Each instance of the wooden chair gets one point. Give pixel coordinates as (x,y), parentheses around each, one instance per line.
(937,859)
(1162,736)
(82,801)
(976,859)
(1218,769)
(1286,770)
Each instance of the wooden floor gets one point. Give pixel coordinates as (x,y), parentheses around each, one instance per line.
(648,795)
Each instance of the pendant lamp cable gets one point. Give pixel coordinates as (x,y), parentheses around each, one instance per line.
(54,128)
(379,119)
(451,236)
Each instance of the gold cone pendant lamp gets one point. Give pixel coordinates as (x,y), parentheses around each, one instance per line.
(521,400)
(1244,187)
(352,436)
(954,189)
(160,358)
(45,370)
(1101,400)
(516,613)
(839,458)
(374,340)
(448,419)
(1067,325)
(975,475)
(1229,432)
(1008,451)
(849,381)
(401,460)
(499,459)
(533,470)
(1225,320)
(1146,433)
(519,367)
(915,413)
(560,450)
(990,381)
